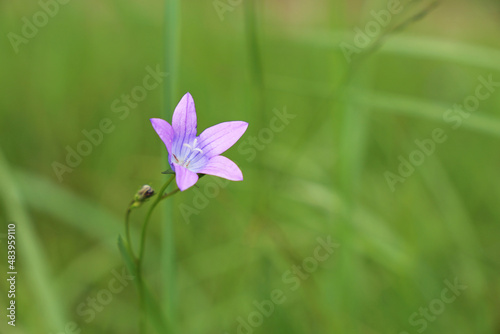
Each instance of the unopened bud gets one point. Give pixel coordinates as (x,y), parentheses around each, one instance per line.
(143,194)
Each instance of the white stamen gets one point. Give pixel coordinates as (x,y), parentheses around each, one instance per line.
(192,153)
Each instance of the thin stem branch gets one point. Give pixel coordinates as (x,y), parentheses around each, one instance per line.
(170,193)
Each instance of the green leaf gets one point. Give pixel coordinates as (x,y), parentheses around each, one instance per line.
(127,257)
(168,171)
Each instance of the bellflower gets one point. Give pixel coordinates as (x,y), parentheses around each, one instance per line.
(189,154)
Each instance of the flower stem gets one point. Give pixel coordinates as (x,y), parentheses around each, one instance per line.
(142,247)
(171,193)
(146,221)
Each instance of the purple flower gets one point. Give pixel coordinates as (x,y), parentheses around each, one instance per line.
(189,154)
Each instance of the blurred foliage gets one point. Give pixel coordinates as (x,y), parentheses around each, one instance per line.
(322,175)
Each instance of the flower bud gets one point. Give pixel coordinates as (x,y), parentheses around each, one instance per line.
(142,195)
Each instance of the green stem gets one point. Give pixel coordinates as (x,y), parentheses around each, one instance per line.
(146,221)
(142,249)
(171,193)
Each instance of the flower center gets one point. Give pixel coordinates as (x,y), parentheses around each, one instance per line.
(187,155)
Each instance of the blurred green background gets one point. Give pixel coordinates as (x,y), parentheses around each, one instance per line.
(321,175)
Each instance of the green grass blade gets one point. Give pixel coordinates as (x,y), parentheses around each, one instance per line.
(479,121)
(414,46)
(46,196)
(168,264)
(37,266)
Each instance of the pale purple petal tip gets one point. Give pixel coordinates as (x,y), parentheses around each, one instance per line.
(223,167)
(184,119)
(184,177)
(218,138)
(164,130)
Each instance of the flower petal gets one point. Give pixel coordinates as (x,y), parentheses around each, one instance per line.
(184,118)
(184,177)
(165,131)
(223,167)
(218,138)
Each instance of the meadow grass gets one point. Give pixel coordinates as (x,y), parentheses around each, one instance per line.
(321,175)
